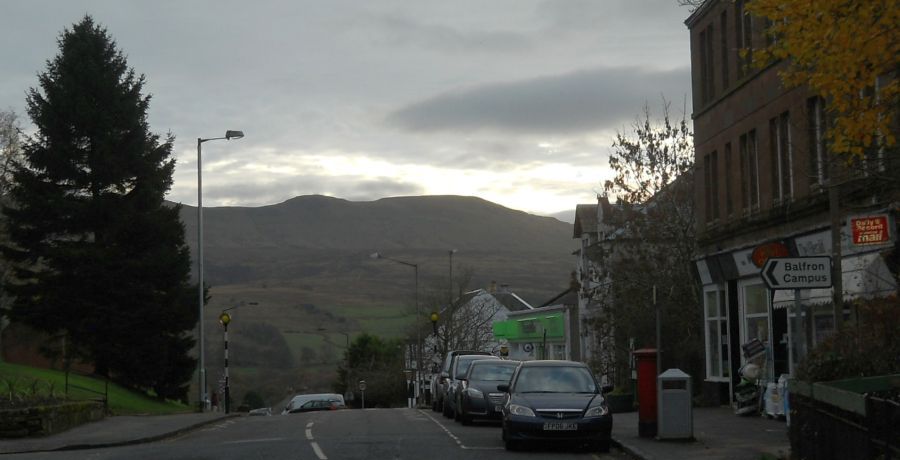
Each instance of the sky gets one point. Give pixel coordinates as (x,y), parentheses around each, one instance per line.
(513,101)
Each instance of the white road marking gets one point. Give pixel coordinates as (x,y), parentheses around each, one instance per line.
(453,436)
(253,440)
(309,434)
(318,451)
(310,424)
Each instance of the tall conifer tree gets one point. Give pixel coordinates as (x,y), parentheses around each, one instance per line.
(99,256)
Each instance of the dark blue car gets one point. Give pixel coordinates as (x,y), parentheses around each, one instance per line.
(555,401)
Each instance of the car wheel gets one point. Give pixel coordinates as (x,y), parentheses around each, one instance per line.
(465,419)
(445,409)
(511,445)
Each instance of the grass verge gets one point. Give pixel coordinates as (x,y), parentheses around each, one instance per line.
(32,382)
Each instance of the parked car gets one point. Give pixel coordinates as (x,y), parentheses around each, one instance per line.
(457,374)
(315,405)
(440,380)
(479,397)
(555,401)
(299,400)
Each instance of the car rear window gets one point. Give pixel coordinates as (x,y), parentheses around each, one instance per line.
(555,379)
(492,372)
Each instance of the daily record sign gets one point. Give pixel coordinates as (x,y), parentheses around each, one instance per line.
(797,272)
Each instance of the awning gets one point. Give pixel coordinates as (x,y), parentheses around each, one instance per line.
(864,276)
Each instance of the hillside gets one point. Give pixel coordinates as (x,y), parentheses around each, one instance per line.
(305,265)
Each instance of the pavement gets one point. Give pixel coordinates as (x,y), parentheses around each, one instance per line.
(718,434)
(113,431)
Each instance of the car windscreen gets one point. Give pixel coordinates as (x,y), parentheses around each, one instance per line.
(463,363)
(555,379)
(492,372)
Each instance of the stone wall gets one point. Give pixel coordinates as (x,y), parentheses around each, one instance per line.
(48,419)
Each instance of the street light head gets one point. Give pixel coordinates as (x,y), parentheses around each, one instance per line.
(453,251)
(375,255)
(229,135)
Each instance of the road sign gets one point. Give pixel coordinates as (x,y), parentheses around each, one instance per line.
(797,272)
(362,385)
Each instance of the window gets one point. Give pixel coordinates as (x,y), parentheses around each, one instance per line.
(818,156)
(782,162)
(755,310)
(729,203)
(711,183)
(749,171)
(723,38)
(743,34)
(717,354)
(707,86)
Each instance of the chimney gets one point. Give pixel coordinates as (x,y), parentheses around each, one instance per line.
(493,288)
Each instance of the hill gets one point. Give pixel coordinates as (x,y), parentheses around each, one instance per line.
(304,266)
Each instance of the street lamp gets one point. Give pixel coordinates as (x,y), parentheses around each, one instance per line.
(415,267)
(229,135)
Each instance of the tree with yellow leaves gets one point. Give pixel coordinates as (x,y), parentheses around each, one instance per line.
(848,52)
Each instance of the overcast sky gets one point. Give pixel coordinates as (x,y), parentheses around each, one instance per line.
(514,101)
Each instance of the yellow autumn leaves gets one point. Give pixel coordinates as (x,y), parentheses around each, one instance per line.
(846,51)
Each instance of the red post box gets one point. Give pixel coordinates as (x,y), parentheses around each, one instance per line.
(646,391)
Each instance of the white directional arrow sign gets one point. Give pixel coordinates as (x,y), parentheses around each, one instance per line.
(797,272)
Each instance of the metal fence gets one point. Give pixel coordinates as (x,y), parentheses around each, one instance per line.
(820,431)
(100,396)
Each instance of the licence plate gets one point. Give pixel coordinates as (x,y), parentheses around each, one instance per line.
(559,426)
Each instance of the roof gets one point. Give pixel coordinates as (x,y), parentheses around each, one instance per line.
(699,13)
(512,302)
(567,297)
(552,363)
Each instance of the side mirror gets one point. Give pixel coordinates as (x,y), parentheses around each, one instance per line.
(504,387)
(606,389)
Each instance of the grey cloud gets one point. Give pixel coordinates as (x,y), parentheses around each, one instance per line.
(400,30)
(582,101)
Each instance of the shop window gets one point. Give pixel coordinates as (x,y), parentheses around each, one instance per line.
(718,366)
(756,313)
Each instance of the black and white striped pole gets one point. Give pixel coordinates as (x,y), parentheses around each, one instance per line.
(225,318)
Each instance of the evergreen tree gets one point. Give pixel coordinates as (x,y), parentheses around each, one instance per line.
(99,256)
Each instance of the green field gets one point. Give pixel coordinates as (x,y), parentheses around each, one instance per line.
(29,382)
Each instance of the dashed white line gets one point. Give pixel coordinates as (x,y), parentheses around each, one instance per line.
(314,444)
(318,451)
(458,441)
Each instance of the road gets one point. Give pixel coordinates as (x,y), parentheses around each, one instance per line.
(346,434)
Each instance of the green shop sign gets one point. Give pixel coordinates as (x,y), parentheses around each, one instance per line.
(531,327)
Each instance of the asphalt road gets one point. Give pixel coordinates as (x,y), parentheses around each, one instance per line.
(382,434)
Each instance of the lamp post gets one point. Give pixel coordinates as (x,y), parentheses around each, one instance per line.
(449,304)
(229,135)
(415,267)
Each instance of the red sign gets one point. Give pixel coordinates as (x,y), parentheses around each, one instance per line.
(870,230)
(764,252)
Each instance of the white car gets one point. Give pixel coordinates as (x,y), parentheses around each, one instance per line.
(299,400)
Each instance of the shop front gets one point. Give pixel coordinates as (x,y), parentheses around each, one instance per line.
(741,310)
